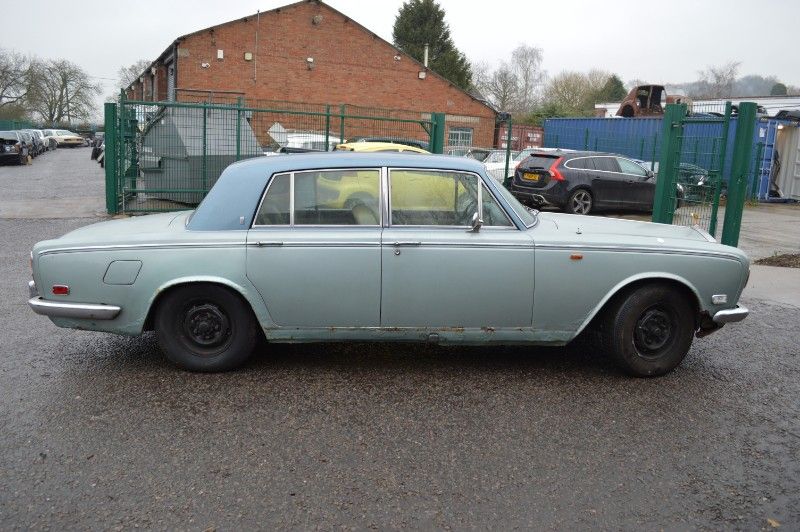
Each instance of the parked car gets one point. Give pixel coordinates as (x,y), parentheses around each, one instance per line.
(50,136)
(495,162)
(583,182)
(387,147)
(68,139)
(268,253)
(421,144)
(40,144)
(27,139)
(12,148)
(649,100)
(479,154)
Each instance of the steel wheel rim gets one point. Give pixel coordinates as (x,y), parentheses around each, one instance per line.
(581,202)
(654,331)
(205,327)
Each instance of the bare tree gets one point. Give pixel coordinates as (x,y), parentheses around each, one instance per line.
(576,92)
(717,81)
(61,91)
(129,74)
(503,86)
(14,78)
(526,65)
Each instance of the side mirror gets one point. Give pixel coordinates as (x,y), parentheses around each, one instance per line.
(476,223)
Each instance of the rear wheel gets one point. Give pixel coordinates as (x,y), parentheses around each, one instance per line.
(205,327)
(649,330)
(580,202)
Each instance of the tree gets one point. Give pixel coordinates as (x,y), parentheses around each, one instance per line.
(717,81)
(779,89)
(526,66)
(129,74)
(613,90)
(502,87)
(61,91)
(14,78)
(421,22)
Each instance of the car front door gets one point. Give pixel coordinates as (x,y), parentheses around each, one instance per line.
(639,189)
(608,185)
(438,273)
(314,252)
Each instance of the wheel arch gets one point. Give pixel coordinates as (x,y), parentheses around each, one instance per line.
(252,300)
(631,283)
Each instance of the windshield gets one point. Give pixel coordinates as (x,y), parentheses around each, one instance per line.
(496,157)
(528,216)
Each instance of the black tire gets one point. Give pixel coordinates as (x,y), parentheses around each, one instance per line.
(580,201)
(648,331)
(205,327)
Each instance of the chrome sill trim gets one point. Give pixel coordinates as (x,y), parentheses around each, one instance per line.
(731,315)
(73,310)
(142,246)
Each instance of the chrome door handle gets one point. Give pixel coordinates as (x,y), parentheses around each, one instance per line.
(263,243)
(398,244)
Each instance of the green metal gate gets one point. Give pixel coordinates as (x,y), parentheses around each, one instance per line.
(165,156)
(692,171)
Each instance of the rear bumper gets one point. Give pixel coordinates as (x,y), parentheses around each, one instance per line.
(731,315)
(58,309)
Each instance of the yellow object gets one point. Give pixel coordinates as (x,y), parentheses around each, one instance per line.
(389,147)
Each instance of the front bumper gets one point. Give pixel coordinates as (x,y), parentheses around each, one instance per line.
(731,315)
(56,309)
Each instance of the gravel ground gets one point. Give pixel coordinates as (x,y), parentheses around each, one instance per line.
(786,260)
(99,432)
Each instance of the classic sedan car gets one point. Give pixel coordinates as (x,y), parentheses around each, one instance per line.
(273,251)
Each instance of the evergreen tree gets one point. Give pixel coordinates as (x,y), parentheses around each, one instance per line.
(613,90)
(779,89)
(422,21)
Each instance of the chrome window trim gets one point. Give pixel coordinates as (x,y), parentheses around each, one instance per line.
(566,165)
(499,205)
(291,175)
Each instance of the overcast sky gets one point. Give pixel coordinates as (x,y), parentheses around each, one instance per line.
(666,41)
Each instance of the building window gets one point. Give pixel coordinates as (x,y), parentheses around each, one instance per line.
(459,136)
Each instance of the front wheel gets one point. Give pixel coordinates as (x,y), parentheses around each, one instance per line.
(649,331)
(205,327)
(580,202)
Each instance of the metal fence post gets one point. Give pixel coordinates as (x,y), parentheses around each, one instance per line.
(723,149)
(205,147)
(737,185)
(437,141)
(506,180)
(239,128)
(663,206)
(586,138)
(328,128)
(757,171)
(341,123)
(110,163)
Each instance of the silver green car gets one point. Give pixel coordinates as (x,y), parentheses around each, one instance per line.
(386,247)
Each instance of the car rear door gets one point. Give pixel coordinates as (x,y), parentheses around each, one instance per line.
(314,253)
(640,188)
(608,185)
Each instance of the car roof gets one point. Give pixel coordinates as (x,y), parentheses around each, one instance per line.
(377,146)
(242,183)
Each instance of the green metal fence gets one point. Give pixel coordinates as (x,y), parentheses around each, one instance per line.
(163,156)
(690,167)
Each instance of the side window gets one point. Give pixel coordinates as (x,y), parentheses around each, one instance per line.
(577,164)
(337,197)
(275,206)
(493,214)
(328,197)
(429,197)
(606,164)
(629,167)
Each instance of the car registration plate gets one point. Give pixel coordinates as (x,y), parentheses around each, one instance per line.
(530,176)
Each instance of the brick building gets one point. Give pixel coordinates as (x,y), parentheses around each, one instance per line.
(311,53)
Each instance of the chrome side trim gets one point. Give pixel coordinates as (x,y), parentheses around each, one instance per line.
(636,249)
(320,244)
(86,311)
(143,246)
(731,315)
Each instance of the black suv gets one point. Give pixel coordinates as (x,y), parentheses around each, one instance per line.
(581,182)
